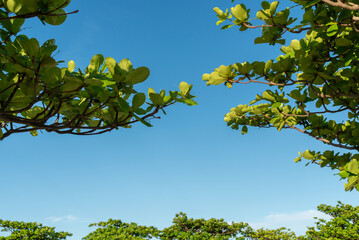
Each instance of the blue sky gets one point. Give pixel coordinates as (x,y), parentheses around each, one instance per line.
(189,161)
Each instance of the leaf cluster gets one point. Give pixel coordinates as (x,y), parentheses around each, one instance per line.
(314,81)
(118,230)
(30,231)
(195,229)
(37,94)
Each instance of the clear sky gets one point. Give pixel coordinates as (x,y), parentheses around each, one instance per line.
(189,161)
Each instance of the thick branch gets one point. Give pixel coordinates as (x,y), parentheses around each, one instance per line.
(350,6)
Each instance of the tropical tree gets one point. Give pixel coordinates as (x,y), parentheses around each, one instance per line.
(271,234)
(37,94)
(118,230)
(344,223)
(184,228)
(311,86)
(30,231)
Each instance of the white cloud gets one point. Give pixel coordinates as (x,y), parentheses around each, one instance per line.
(296,221)
(68,218)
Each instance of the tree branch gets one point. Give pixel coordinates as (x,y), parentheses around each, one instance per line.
(350,6)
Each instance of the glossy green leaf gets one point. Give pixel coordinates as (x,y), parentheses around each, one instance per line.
(353,167)
(273,7)
(332,30)
(138,75)
(58,18)
(184,88)
(308,155)
(138,100)
(126,65)
(156,99)
(111,64)
(71,66)
(239,12)
(13,5)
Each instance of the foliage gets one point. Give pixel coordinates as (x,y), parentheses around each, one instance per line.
(36,94)
(117,230)
(196,229)
(311,86)
(276,234)
(343,224)
(30,231)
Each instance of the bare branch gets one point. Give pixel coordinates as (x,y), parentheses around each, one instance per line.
(323,139)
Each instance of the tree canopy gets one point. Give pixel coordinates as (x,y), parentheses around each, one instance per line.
(29,231)
(36,93)
(343,224)
(313,87)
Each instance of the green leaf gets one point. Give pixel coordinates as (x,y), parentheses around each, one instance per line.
(265,5)
(93,82)
(138,75)
(344,174)
(189,102)
(184,88)
(227,26)
(56,20)
(125,107)
(34,133)
(71,66)
(216,79)
(156,99)
(138,100)
(13,5)
(106,83)
(141,111)
(97,61)
(273,7)
(352,181)
(16,24)
(30,5)
(244,130)
(295,94)
(353,167)
(263,15)
(269,95)
(225,71)
(229,85)
(308,155)
(268,66)
(111,64)
(218,11)
(219,22)
(280,41)
(260,40)
(206,77)
(126,65)
(143,121)
(32,47)
(150,90)
(239,12)
(281,125)
(71,85)
(342,42)
(332,30)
